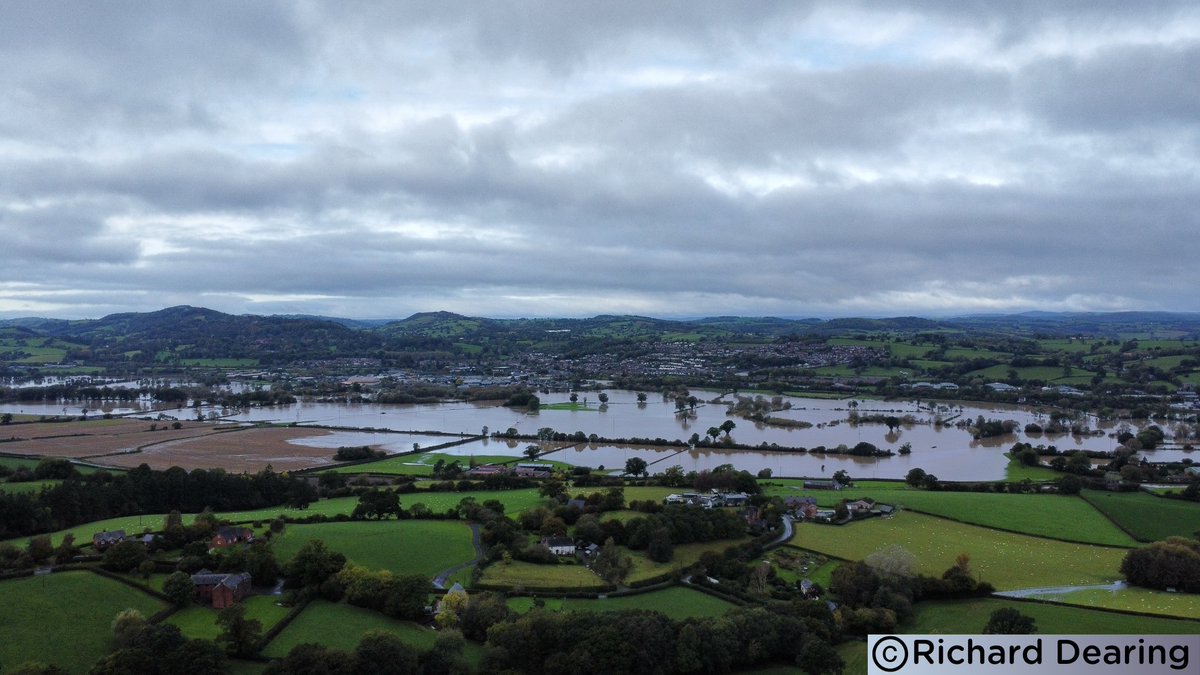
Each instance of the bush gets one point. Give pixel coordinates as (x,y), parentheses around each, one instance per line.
(1174,563)
(125,556)
(1008,621)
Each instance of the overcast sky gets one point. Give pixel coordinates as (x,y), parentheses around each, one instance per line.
(686,158)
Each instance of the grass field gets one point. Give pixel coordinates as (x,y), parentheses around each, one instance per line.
(1016,472)
(154,522)
(64,618)
(592,406)
(341,626)
(531,577)
(1146,517)
(1007,561)
(854,653)
(422,464)
(685,555)
(1137,599)
(28,487)
(970,616)
(676,602)
(220,363)
(21,462)
(514,501)
(1054,516)
(1040,373)
(201,622)
(402,546)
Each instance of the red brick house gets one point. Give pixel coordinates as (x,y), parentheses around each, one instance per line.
(221,590)
(228,536)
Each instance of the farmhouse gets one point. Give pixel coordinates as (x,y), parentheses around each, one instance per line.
(455,590)
(221,590)
(559,545)
(859,506)
(102,540)
(489,470)
(801,507)
(228,536)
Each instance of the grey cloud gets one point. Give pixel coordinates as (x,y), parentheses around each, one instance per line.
(41,239)
(1117,89)
(1094,159)
(782,115)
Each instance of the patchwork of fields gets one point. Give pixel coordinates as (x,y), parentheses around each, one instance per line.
(1006,560)
(1015,541)
(64,618)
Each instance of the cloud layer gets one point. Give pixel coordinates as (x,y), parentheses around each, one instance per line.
(531,159)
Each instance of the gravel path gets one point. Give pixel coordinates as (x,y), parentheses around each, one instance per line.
(440,580)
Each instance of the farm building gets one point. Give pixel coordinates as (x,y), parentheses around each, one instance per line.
(221,590)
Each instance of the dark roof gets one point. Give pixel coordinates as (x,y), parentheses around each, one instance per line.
(553,542)
(113,535)
(206,578)
(229,532)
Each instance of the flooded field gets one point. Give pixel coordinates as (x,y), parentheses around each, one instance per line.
(945,450)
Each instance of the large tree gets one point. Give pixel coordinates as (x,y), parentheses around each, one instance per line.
(635,466)
(239,635)
(1009,621)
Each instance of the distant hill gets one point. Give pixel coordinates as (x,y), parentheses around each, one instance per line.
(188,335)
(1094,324)
(186,332)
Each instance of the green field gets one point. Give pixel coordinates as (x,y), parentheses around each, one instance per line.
(219,363)
(531,577)
(1041,515)
(685,555)
(970,616)
(37,351)
(592,406)
(1016,472)
(514,501)
(29,463)
(422,464)
(402,546)
(1053,516)
(1146,517)
(64,618)
(27,487)
(1008,561)
(83,533)
(677,602)
(1075,346)
(1134,599)
(1040,373)
(341,626)
(201,622)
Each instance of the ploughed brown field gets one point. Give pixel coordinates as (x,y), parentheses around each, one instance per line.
(129,443)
